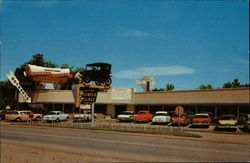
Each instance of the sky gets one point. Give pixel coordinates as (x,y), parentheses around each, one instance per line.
(184,43)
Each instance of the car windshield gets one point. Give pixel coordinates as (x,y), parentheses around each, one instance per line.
(14,112)
(201,116)
(161,114)
(127,113)
(227,118)
(141,113)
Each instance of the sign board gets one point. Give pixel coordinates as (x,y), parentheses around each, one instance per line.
(179,110)
(121,94)
(15,82)
(86,94)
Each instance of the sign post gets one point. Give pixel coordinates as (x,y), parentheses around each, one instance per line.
(179,111)
(93,115)
(87,94)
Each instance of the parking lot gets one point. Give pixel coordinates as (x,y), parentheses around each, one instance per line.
(114,124)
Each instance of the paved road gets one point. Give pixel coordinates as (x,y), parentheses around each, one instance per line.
(126,147)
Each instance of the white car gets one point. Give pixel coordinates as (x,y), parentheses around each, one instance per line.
(55,116)
(126,116)
(83,117)
(161,117)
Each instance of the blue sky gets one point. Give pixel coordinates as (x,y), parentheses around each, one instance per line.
(185,43)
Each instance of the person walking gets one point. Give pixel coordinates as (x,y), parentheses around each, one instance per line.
(31,115)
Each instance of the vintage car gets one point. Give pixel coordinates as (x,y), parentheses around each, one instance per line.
(100,73)
(201,119)
(2,114)
(246,121)
(126,116)
(55,116)
(161,117)
(227,121)
(22,115)
(83,117)
(181,120)
(143,116)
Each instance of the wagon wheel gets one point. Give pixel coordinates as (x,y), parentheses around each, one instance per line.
(86,79)
(57,86)
(108,81)
(98,82)
(39,85)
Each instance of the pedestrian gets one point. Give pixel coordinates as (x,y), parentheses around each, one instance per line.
(31,115)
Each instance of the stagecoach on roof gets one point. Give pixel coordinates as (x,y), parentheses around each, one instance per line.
(41,75)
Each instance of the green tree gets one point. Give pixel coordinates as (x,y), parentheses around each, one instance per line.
(227,85)
(203,86)
(156,89)
(170,87)
(236,83)
(7,95)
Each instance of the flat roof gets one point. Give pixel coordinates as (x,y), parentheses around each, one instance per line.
(190,97)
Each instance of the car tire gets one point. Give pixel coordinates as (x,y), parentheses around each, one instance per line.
(37,118)
(87,79)
(108,82)
(18,119)
(98,82)
(57,120)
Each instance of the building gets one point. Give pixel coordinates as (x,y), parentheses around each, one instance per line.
(216,101)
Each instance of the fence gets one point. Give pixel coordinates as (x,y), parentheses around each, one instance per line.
(109,125)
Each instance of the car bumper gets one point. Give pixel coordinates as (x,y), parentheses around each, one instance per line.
(227,126)
(159,121)
(200,124)
(124,119)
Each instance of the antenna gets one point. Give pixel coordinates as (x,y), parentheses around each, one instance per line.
(147,83)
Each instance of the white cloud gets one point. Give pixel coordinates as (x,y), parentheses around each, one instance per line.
(126,32)
(239,60)
(154,71)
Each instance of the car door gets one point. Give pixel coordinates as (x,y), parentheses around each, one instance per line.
(25,116)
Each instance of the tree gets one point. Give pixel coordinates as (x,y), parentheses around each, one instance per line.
(156,89)
(236,83)
(170,87)
(203,86)
(7,95)
(227,85)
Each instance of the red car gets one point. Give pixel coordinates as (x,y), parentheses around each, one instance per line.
(201,120)
(176,120)
(143,116)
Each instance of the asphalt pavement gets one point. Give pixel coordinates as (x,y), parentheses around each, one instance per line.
(126,147)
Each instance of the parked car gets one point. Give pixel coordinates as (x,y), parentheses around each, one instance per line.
(126,116)
(2,114)
(246,121)
(201,119)
(161,117)
(56,116)
(143,116)
(22,115)
(182,120)
(227,121)
(83,117)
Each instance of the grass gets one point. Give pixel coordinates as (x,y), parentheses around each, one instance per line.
(127,130)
